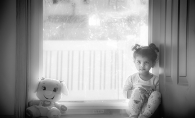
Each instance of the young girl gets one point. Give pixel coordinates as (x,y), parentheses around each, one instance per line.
(142,88)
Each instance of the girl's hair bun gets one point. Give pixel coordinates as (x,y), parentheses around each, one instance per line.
(153,46)
(135,47)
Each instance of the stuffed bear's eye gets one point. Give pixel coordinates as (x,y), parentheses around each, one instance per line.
(55,89)
(43,87)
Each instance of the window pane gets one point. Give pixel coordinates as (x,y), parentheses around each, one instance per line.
(87,44)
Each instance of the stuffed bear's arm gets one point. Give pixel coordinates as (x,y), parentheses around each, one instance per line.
(61,107)
(34,102)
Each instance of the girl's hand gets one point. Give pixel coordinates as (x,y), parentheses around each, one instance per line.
(129,92)
(150,91)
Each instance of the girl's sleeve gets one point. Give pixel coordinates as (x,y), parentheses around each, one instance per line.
(157,84)
(127,87)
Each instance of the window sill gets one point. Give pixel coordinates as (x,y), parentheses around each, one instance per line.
(94,116)
(111,104)
(98,109)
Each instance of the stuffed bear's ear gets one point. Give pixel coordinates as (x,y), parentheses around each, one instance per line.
(40,79)
(64,88)
(37,86)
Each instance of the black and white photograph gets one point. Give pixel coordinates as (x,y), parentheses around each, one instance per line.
(97,58)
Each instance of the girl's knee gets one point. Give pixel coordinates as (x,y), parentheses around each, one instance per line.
(156,94)
(138,93)
(155,98)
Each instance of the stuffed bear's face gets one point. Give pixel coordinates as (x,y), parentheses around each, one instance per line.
(49,89)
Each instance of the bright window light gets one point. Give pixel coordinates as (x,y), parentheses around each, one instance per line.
(87,44)
(94,20)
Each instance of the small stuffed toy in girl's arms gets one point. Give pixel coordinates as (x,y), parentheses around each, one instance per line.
(49,92)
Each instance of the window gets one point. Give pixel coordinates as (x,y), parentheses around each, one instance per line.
(87,44)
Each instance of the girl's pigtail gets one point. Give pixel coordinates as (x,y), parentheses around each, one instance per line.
(153,46)
(135,47)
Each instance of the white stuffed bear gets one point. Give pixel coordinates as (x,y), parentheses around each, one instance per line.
(49,92)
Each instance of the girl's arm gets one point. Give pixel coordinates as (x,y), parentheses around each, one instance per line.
(157,84)
(127,89)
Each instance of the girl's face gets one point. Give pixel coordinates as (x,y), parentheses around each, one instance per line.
(143,64)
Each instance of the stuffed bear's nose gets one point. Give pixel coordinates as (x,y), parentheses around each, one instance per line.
(48,92)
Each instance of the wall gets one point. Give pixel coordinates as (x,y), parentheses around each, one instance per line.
(8,54)
(176,42)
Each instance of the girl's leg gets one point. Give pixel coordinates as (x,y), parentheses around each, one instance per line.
(153,103)
(136,102)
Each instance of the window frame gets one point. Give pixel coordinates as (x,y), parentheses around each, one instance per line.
(34,56)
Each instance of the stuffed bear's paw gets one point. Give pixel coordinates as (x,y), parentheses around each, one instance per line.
(54,113)
(29,113)
(63,109)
